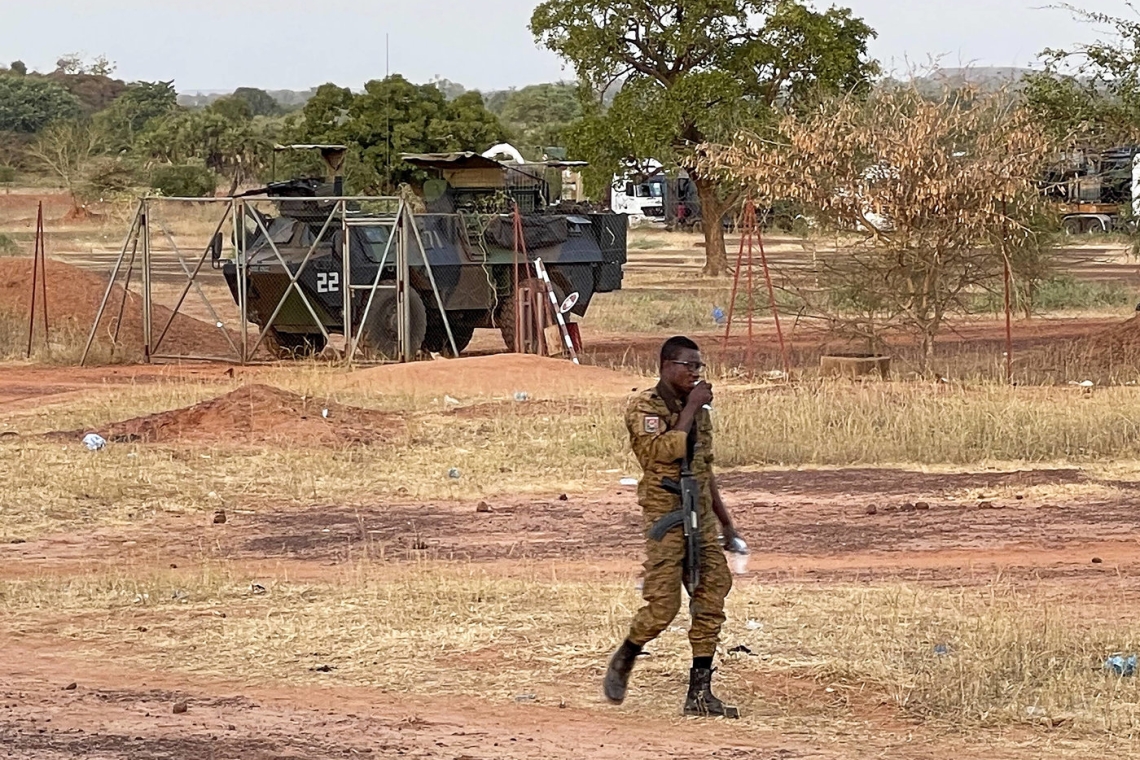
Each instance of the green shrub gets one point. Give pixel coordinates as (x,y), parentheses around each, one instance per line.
(184,181)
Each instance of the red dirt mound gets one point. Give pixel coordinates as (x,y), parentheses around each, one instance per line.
(498,376)
(73,297)
(257,414)
(1123,337)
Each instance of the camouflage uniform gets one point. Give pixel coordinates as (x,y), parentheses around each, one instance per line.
(652,418)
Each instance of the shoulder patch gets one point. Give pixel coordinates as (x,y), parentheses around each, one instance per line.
(652,424)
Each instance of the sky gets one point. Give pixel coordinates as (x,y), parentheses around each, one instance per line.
(482,44)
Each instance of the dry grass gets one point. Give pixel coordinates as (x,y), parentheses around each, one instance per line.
(525,448)
(1015,655)
(840,424)
(64,348)
(649,310)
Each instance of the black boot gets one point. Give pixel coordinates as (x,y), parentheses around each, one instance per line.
(617,674)
(701,701)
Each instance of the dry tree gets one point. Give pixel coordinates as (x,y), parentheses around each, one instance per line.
(932,196)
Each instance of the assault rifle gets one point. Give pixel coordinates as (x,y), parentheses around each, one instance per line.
(688,517)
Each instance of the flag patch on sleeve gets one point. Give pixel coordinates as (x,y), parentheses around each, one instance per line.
(652,424)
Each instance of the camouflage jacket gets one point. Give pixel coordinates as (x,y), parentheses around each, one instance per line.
(652,418)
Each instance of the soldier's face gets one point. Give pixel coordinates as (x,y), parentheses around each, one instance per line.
(684,371)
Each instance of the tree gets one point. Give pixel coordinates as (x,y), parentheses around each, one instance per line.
(28,104)
(451,90)
(393,116)
(939,194)
(19,68)
(93,91)
(66,149)
(1092,91)
(223,137)
(539,114)
(126,118)
(72,64)
(260,102)
(695,71)
(107,178)
(184,180)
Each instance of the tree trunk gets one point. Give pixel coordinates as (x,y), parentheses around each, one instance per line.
(712,215)
(927,351)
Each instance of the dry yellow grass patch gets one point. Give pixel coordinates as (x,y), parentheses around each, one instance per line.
(527,448)
(994,656)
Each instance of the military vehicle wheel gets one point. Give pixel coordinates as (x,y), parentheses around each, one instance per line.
(295,345)
(380,335)
(505,316)
(436,338)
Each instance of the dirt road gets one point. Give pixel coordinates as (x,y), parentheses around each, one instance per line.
(824,526)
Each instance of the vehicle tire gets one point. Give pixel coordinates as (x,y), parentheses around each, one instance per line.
(505,316)
(380,336)
(294,345)
(435,340)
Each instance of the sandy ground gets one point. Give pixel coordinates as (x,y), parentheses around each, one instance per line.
(811,528)
(948,529)
(815,526)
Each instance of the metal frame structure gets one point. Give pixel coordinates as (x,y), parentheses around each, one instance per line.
(405,240)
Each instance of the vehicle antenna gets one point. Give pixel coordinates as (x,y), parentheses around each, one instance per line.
(387,115)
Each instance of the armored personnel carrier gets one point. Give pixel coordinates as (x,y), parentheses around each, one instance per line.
(467,229)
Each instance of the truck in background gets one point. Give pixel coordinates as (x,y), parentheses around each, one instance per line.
(1096,192)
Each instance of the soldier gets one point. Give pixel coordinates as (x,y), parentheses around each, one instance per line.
(666,423)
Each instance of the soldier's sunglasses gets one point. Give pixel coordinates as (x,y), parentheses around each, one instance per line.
(695,367)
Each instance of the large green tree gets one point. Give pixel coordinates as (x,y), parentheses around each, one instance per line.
(540,114)
(394,116)
(223,136)
(28,104)
(260,102)
(696,71)
(125,119)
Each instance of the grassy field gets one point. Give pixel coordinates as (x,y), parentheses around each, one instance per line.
(938,639)
(991,657)
(516,449)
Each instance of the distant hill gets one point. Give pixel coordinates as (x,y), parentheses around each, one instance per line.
(986,78)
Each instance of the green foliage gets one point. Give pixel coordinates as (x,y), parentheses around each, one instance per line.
(7,245)
(232,108)
(1065,293)
(126,118)
(28,104)
(19,68)
(496,100)
(260,102)
(539,114)
(222,136)
(183,180)
(1092,92)
(105,178)
(7,175)
(695,71)
(392,116)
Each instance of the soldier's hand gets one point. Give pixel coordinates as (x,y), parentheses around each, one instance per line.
(700,395)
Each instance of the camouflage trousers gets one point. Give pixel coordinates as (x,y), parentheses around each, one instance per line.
(664,570)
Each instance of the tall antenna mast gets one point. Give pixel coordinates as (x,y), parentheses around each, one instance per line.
(387,114)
